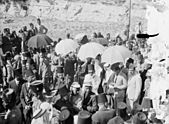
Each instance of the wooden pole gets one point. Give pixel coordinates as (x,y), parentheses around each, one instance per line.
(129,26)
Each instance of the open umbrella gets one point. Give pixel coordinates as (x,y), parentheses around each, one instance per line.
(66,46)
(102,41)
(125,52)
(90,50)
(115,54)
(39,41)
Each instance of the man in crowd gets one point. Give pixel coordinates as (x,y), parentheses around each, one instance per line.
(89,102)
(45,71)
(26,99)
(75,96)
(93,78)
(134,87)
(13,114)
(120,84)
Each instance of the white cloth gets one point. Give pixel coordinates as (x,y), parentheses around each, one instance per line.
(108,74)
(95,81)
(134,87)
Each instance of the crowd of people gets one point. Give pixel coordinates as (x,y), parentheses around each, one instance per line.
(39,86)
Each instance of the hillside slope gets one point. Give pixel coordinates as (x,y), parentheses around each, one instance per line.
(74,16)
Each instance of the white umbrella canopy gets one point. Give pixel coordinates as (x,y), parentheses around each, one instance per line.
(66,46)
(115,54)
(125,52)
(90,50)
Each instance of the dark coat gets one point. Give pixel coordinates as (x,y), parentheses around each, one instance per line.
(17,89)
(69,67)
(6,44)
(103,116)
(26,99)
(25,95)
(89,103)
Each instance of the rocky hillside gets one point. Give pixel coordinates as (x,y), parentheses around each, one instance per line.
(74,16)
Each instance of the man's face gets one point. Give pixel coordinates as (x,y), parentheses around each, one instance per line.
(60,75)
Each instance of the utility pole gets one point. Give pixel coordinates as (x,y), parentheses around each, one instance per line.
(129,26)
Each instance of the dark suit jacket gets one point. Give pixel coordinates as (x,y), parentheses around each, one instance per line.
(103,116)
(17,89)
(89,103)
(25,95)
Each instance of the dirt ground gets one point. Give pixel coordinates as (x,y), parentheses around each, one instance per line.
(58,27)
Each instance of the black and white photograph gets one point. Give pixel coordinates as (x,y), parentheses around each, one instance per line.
(84,61)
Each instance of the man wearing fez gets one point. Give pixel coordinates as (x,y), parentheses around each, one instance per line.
(65,116)
(89,102)
(63,99)
(45,70)
(13,114)
(75,97)
(94,79)
(103,115)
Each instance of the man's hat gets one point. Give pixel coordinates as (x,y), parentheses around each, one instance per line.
(84,117)
(101,98)
(139,118)
(75,85)
(90,68)
(64,115)
(60,69)
(37,86)
(147,103)
(121,109)
(63,90)
(116,120)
